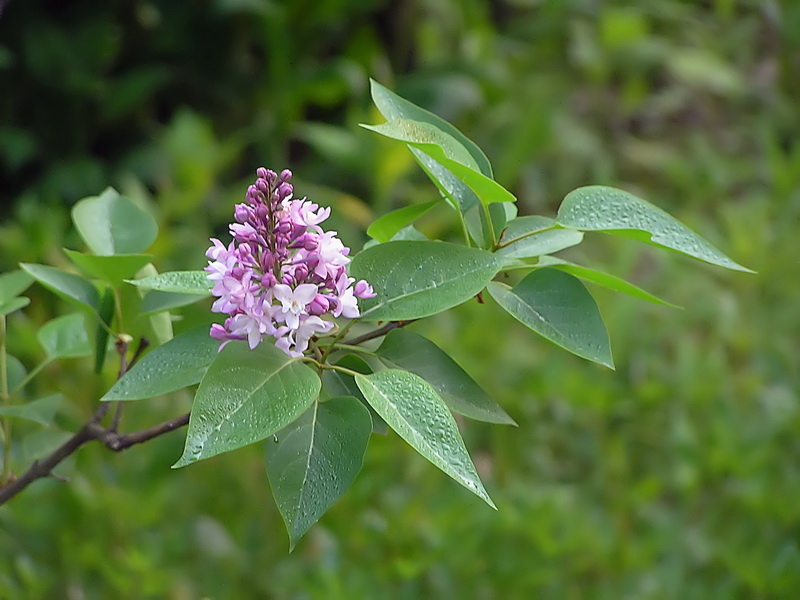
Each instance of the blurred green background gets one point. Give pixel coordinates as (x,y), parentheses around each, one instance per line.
(675,477)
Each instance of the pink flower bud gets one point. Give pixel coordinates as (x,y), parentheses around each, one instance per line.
(319,305)
(286,175)
(364,290)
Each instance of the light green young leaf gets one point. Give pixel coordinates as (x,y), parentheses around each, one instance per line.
(246,396)
(16,371)
(384,228)
(410,351)
(545,242)
(112,224)
(65,337)
(156,301)
(13,283)
(416,412)
(558,307)
(181,282)
(158,326)
(315,459)
(419,279)
(611,282)
(39,411)
(179,363)
(392,106)
(14,304)
(112,269)
(599,208)
(445,150)
(66,285)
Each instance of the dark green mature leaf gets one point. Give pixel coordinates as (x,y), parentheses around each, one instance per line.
(66,285)
(156,301)
(39,411)
(599,208)
(419,279)
(10,306)
(179,363)
(65,337)
(416,412)
(558,307)
(384,228)
(112,224)
(393,107)
(315,459)
(182,282)
(113,269)
(246,396)
(103,329)
(338,383)
(611,282)
(410,351)
(13,283)
(448,152)
(545,242)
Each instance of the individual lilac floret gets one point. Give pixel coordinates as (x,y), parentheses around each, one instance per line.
(282,272)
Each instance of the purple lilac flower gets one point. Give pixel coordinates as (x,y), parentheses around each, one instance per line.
(282,272)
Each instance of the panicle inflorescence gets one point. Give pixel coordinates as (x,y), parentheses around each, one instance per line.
(282,272)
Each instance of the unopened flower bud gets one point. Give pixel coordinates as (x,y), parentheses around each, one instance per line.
(319,305)
(269,280)
(364,290)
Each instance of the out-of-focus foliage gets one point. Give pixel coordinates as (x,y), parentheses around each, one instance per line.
(675,477)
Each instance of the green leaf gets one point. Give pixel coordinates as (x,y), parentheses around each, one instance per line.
(14,304)
(416,412)
(112,224)
(544,242)
(599,208)
(611,282)
(157,326)
(419,279)
(315,459)
(13,283)
(113,269)
(65,337)
(103,328)
(445,150)
(181,282)
(392,106)
(384,228)
(16,371)
(410,351)
(246,396)
(179,363)
(40,411)
(558,307)
(66,285)
(156,301)
(338,383)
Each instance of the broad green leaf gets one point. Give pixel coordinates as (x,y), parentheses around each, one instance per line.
(14,304)
(179,363)
(410,351)
(13,283)
(16,371)
(40,411)
(66,285)
(65,337)
(611,282)
(181,282)
(157,326)
(392,106)
(103,328)
(558,307)
(384,228)
(416,412)
(537,244)
(156,301)
(525,226)
(112,224)
(419,279)
(448,152)
(599,208)
(315,459)
(246,396)
(338,383)
(113,269)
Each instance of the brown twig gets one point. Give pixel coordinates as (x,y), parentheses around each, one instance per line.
(376,333)
(90,431)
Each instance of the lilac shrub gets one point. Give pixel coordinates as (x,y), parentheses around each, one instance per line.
(282,272)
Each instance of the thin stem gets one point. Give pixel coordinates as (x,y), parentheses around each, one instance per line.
(376,333)
(489,224)
(340,368)
(329,348)
(503,244)
(358,349)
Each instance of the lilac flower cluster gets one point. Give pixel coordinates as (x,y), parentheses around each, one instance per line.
(281,272)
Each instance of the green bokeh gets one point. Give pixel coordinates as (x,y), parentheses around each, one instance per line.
(675,477)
